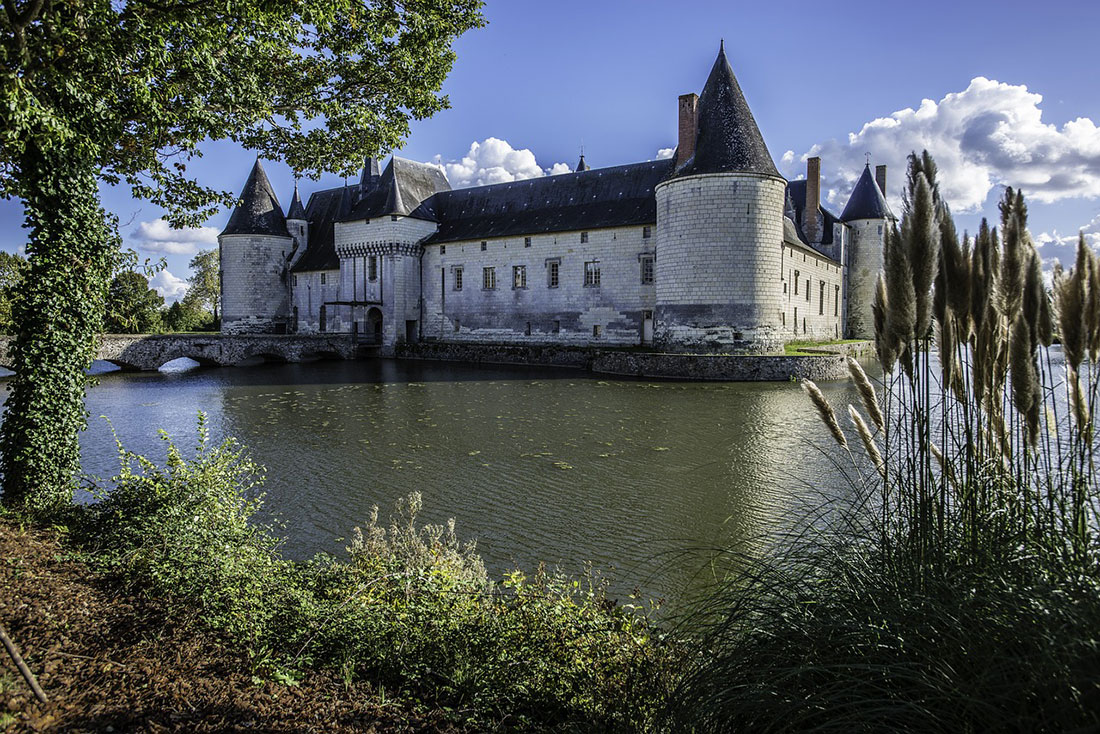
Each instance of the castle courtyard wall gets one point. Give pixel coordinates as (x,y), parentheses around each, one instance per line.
(813,291)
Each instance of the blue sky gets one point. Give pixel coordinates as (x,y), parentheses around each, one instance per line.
(1000,92)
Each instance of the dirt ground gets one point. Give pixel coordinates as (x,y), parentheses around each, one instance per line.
(116,662)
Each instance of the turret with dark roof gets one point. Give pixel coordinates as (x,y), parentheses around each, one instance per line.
(400,189)
(727,138)
(582,166)
(297,211)
(866,201)
(259,211)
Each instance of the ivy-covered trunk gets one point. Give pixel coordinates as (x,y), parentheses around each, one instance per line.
(58,317)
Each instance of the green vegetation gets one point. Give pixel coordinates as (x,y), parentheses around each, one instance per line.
(797,348)
(11,272)
(410,607)
(132,306)
(960,589)
(113,91)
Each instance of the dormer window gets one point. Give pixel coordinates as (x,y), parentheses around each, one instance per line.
(584,237)
(393,217)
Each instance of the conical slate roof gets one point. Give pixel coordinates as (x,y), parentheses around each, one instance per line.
(297,211)
(259,211)
(582,166)
(866,201)
(400,189)
(727,138)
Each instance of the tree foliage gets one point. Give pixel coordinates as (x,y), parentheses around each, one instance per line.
(205,284)
(185,315)
(112,91)
(132,306)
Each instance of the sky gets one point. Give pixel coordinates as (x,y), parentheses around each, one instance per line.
(1001,93)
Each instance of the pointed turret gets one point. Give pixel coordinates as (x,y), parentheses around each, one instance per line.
(259,211)
(297,211)
(866,201)
(727,138)
(368,179)
(582,166)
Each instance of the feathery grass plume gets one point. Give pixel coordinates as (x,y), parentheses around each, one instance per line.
(901,301)
(868,440)
(1092,303)
(921,242)
(1078,404)
(825,411)
(1070,295)
(1026,391)
(945,340)
(1035,294)
(979,276)
(958,283)
(867,393)
(884,345)
(1014,265)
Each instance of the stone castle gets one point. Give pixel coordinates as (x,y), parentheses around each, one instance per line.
(708,251)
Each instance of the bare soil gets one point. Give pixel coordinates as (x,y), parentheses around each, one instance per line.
(110,660)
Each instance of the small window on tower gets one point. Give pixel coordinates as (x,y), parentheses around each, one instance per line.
(372,268)
(584,237)
(484,245)
(526,241)
(442,249)
(821,305)
(647,232)
(393,217)
(324,278)
(458,279)
(836,300)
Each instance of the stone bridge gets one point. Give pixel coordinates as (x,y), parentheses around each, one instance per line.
(150,351)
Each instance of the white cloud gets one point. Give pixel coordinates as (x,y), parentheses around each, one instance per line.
(168,285)
(665,153)
(494,161)
(988,135)
(158,236)
(1056,246)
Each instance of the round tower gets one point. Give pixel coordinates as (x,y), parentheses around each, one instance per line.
(720,228)
(867,215)
(254,247)
(297,226)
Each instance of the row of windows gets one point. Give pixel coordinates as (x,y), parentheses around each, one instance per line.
(372,271)
(821,293)
(597,329)
(553,274)
(647,232)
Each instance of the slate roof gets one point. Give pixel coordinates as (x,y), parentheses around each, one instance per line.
(259,211)
(866,201)
(591,199)
(297,211)
(727,137)
(582,166)
(796,191)
(322,212)
(400,190)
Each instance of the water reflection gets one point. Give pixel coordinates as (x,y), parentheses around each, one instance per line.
(539,465)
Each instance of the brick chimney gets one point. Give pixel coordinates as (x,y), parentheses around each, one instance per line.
(813,200)
(880,178)
(689,120)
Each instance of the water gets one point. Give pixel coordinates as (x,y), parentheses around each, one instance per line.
(538,465)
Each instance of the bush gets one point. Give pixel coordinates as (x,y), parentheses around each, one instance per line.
(410,607)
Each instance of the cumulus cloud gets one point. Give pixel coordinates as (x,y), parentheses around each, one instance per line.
(493,161)
(665,153)
(990,134)
(158,236)
(1063,247)
(168,285)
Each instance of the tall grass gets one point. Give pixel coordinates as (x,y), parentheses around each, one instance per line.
(959,591)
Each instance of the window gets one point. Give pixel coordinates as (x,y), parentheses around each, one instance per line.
(457,326)
(596,330)
(784,287)
(836,300)
(821,305)
(557,326)
(880,229)
(519,276)
(393,217)
(372,267)
(584,237)
(797,275)
(294,280)
(647,232)
(484,245)
(527,331)
(552,273)
(647,269)
(458,279)
(488,278)
(807,291)
(324,277)
(526,241)
(442,249)
(592,273)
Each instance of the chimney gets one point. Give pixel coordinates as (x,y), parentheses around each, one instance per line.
(689,119)
(880,178)
(813,200)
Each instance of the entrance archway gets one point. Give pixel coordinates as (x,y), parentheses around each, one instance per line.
(374,326)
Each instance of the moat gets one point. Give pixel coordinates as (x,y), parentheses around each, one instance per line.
(537,464)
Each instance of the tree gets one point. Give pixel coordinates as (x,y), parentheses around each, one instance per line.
(132,306)
(205,283)
(110,91)
(12,267)
(185,315)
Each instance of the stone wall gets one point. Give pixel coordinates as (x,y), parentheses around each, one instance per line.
(864,264)
(309,295)
(255,284)
(719,271)
(535,311)
(813,291)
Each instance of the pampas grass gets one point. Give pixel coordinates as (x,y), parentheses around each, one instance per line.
(825,411)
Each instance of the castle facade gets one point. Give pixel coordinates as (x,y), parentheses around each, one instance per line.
(708,251)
